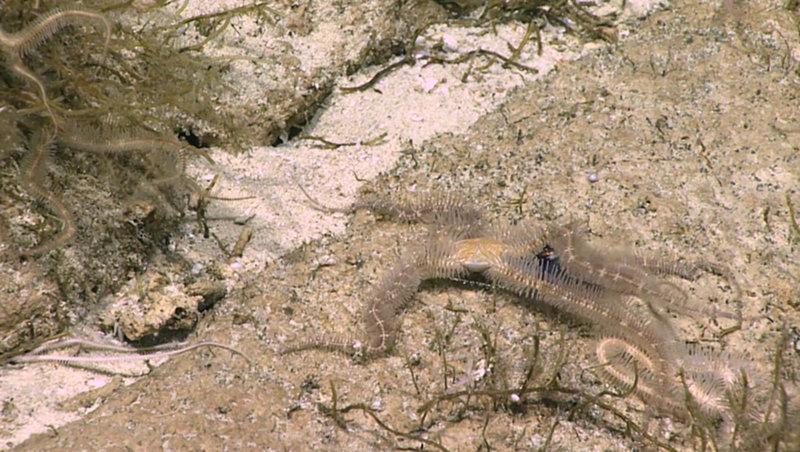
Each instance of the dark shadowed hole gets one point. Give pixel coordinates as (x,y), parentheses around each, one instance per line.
(192,139)
(294,131)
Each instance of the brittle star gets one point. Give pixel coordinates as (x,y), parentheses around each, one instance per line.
(638,352)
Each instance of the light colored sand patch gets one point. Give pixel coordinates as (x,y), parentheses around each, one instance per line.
(409,106)
(32,396)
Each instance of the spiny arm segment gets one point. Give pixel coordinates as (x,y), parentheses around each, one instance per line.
(22,42)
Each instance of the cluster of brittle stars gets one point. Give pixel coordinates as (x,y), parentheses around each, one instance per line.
(623,295)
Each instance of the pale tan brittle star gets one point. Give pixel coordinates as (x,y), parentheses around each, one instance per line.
(638,350)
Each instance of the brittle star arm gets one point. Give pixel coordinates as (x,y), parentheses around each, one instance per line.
(43,353)
(435,209)
(452,222)
(387,297)
(633,274)
(18,44)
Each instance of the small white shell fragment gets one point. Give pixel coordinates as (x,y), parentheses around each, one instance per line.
(450,42)
(96,383)
(197,268)
(428,83)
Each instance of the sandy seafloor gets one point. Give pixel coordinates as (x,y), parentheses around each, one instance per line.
(690,124)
